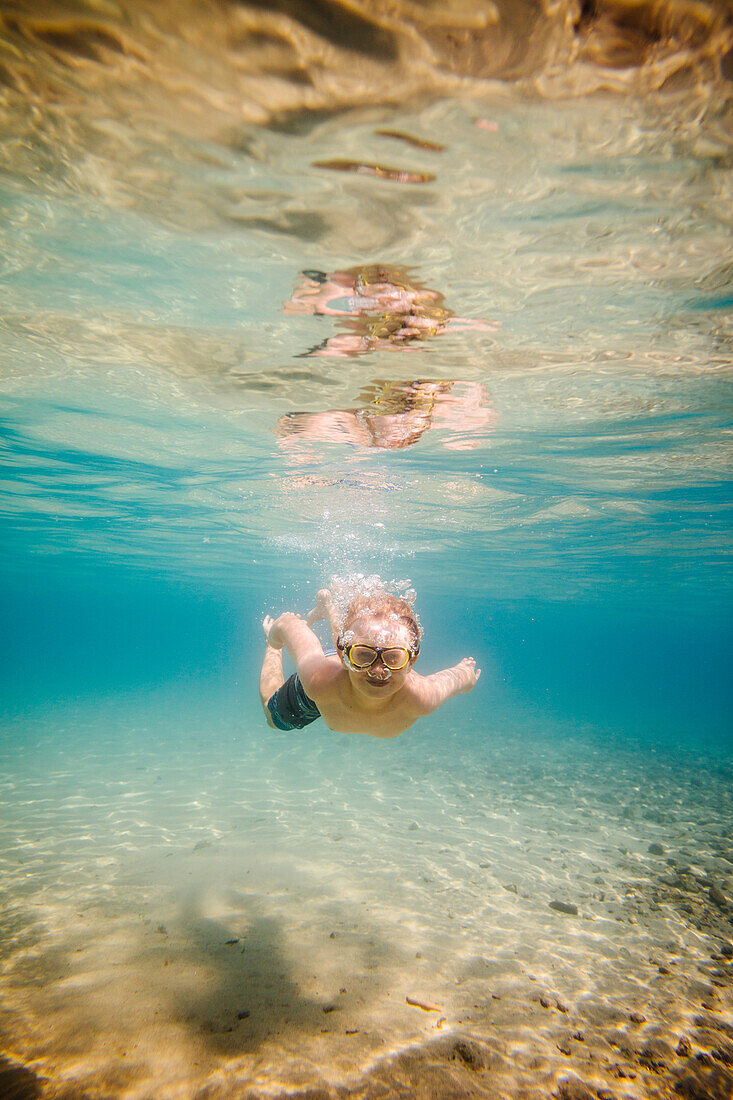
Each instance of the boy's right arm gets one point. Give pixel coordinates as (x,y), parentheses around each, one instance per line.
(296,636)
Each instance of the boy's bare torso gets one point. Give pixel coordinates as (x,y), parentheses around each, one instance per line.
(344,711)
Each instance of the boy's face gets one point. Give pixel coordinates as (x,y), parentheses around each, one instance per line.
(377,681)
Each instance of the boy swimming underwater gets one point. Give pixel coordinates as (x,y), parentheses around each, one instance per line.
(368,685)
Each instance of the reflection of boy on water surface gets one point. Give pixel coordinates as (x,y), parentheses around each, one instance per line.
(396,415)
(382,309)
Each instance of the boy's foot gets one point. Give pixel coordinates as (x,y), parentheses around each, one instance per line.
(271,674)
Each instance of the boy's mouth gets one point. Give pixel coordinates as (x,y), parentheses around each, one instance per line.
(378,683)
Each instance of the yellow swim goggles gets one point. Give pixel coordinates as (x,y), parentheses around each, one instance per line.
(394,657)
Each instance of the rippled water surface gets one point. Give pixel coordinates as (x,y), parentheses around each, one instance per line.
(430,291)
(148,365)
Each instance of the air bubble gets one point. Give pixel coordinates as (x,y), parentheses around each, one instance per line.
(352,586)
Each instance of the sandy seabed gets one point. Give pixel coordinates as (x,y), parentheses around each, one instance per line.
(203,910)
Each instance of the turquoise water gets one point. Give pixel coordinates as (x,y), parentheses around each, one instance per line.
(186,450)
(148,368)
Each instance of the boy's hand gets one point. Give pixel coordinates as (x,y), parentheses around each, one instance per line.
(272,628)
(469,673)
(323,608)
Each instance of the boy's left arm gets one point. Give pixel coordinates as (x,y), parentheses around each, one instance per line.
(432,691)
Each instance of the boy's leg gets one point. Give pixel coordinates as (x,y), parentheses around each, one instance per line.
(271,674)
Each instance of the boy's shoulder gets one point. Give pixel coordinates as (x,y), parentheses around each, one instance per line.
(323,674)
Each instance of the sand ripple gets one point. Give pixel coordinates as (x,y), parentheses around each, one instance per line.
(259,915)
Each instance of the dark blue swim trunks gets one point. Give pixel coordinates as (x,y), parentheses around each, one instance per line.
(290,707)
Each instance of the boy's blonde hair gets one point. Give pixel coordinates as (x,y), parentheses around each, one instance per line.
(386,606)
